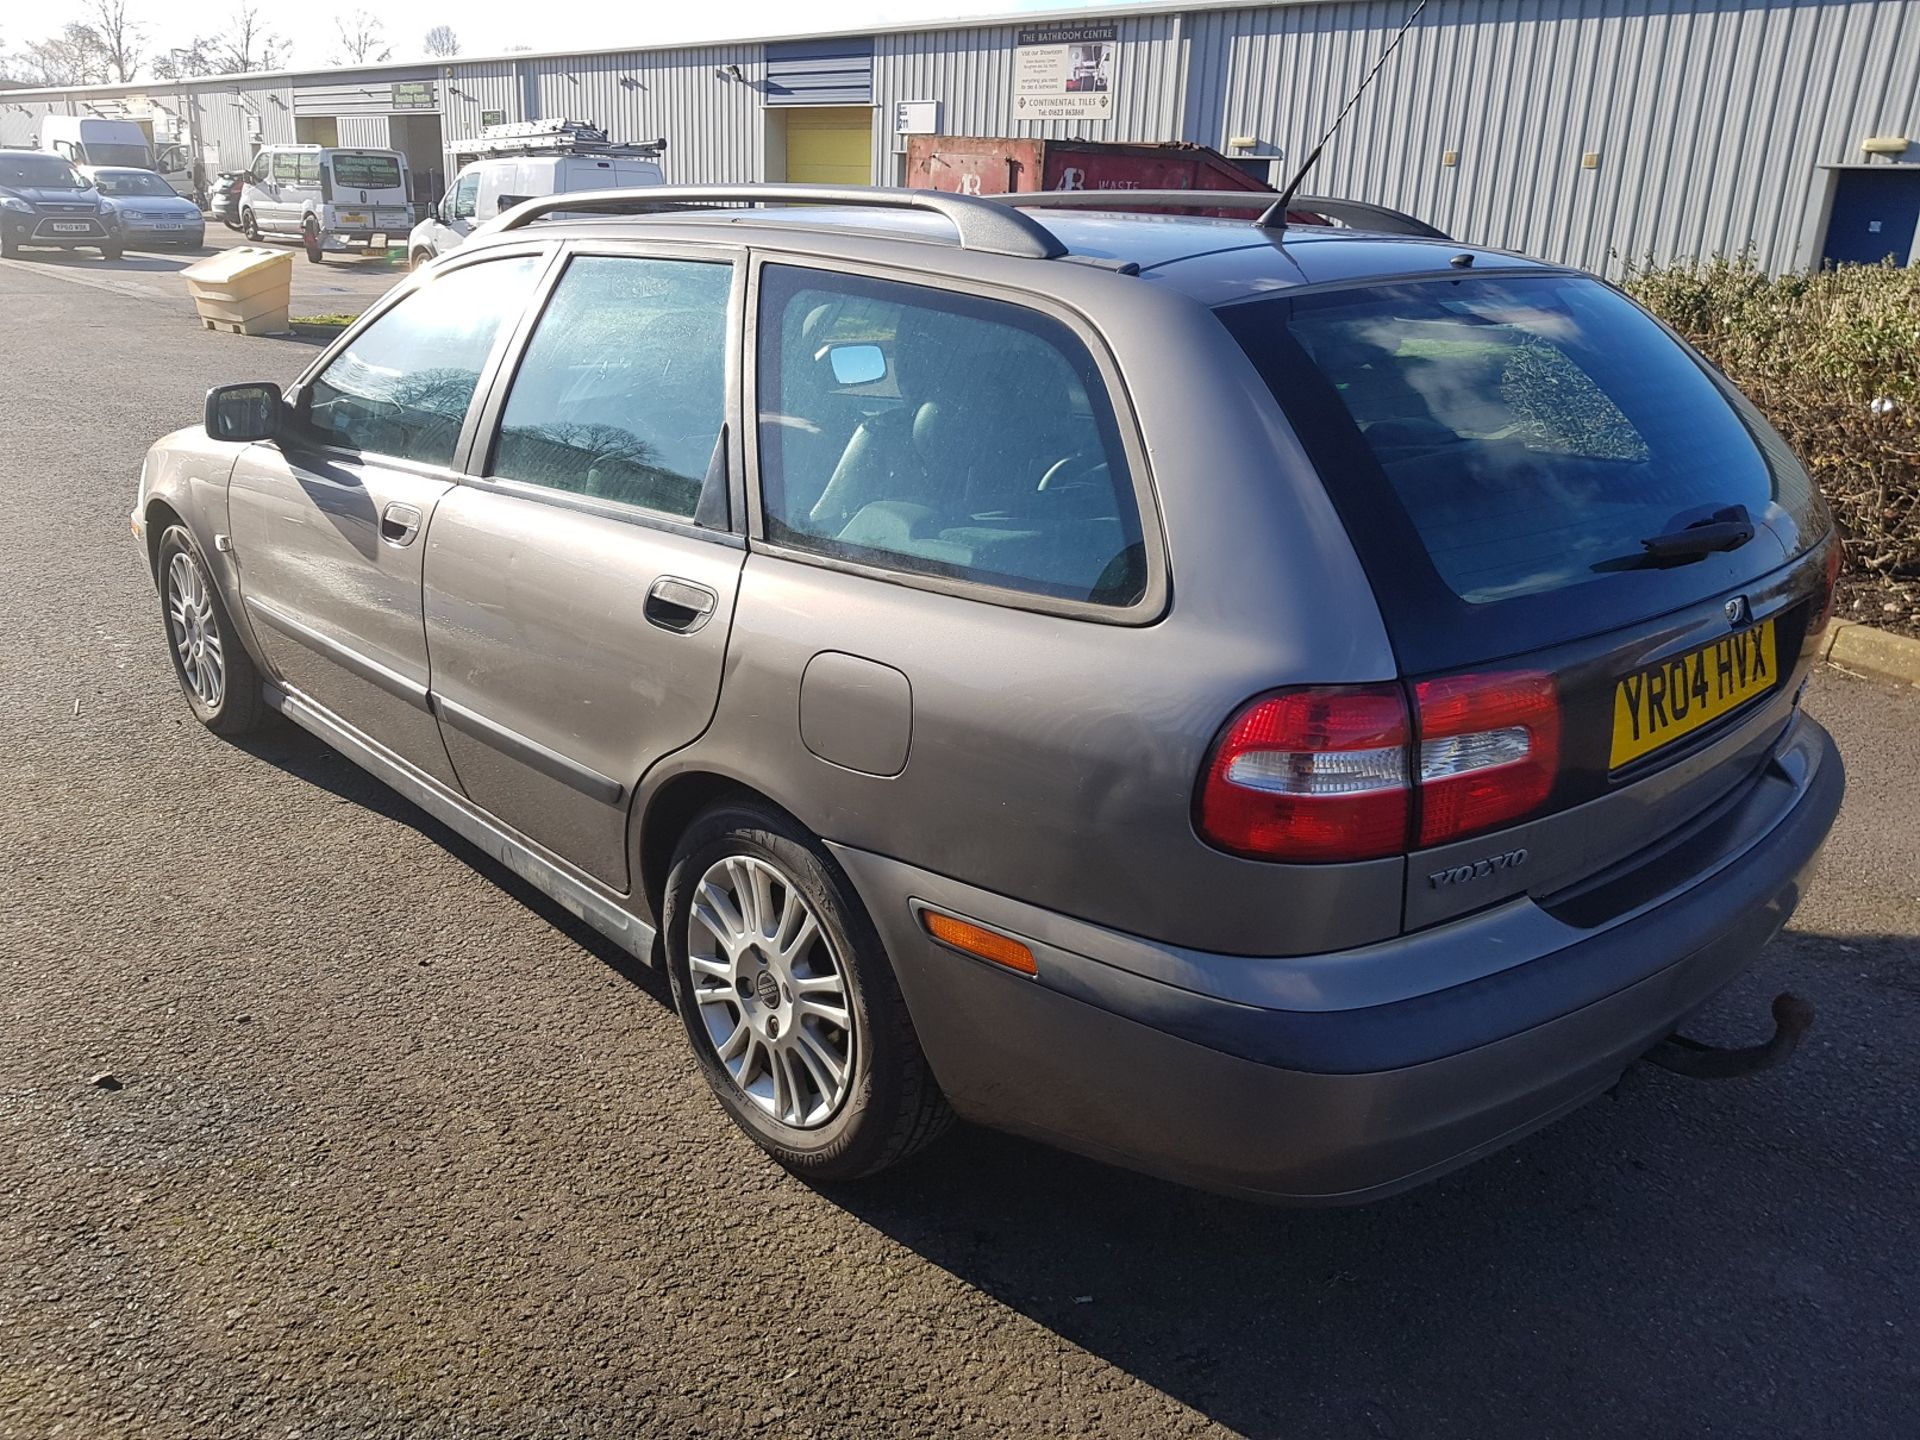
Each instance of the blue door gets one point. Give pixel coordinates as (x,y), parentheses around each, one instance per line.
(1875,214)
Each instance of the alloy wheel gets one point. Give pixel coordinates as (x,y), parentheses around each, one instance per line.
(195,632)
(772,994)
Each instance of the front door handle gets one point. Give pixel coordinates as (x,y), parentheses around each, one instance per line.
(679,605)
(399,523)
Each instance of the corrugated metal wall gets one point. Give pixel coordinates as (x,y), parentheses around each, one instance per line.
(1709,120)
(713,123)
(972,71)
(369,131)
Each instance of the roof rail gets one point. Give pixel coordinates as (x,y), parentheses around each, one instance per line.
(979,223)
(1355,213)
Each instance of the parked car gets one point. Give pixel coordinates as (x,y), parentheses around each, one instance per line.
(225,204)
(46,204)
(1289,717)
(486,188)
(143,209)
(330,199)
(89,140)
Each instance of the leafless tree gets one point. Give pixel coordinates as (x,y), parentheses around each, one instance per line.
(248,43)
(75,56)
(361,40)
(442,41)
(121,39)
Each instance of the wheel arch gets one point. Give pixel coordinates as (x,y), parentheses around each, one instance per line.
(674,805)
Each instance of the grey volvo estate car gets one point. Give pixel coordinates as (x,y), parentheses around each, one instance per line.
(1292,710)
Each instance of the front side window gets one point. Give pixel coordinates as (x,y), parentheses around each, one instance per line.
(941,434)
(262,167)
(463,196)
(402,387)
(622,392)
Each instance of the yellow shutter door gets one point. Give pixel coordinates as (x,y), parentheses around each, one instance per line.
(830,145)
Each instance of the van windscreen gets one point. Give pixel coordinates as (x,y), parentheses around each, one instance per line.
(355,171)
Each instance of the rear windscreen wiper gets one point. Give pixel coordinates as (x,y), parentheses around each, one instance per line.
(1726,529)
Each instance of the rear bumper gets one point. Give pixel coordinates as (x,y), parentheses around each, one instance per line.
(1317,1105)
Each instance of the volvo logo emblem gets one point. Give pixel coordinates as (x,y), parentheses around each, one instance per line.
(766,989)
(1737,610)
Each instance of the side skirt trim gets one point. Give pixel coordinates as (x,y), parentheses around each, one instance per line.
(580,896)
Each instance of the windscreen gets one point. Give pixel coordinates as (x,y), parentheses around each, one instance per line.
(1505,439)
(354,171)
(133,155)
(39,172)
(132,182)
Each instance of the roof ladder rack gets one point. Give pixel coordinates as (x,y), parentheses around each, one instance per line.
(980,224)
(553,137)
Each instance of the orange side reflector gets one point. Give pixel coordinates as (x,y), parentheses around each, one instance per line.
(964,935)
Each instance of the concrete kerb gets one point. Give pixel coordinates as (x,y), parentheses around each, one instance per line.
(1863,650)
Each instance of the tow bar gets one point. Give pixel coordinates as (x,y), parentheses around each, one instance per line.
(1792,1018)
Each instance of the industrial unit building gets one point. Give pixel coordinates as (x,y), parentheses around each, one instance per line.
(1587,131)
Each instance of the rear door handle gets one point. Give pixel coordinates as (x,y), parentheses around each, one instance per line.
(679,605)
(399,523)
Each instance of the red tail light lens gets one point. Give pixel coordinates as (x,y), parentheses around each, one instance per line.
(1489,750)
(1318,774)
(1836,551)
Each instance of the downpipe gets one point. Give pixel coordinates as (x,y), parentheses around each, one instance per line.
(1792,1018)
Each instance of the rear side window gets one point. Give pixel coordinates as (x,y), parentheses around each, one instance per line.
(941,434)
(623,389)
(402,388)
(355,171)
(286,167)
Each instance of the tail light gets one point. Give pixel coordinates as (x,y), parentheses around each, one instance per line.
(1489,750)
(1333,773)
(1836,551)
(1311,775)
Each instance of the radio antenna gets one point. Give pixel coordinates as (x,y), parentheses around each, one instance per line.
(1274,217)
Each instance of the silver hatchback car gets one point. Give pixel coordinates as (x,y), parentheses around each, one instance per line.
(1292,710)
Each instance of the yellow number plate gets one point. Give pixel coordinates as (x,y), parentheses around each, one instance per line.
(1656,706)
(352,220)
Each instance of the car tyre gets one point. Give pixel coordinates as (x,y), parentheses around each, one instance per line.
(248,227)
(310,237)
(419,258)
(216,674)
(113,252)
(885,1103)
(8,247)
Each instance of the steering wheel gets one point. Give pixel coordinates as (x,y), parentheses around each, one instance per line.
(1084,469)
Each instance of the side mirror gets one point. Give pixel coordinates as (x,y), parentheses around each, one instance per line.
(244,412)
(857,364)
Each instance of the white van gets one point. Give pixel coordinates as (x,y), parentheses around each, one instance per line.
(88,140)
(330,199)
(486,187)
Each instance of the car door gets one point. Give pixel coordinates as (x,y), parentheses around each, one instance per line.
(328,521)
(466,194)
(580,582)
(260,196)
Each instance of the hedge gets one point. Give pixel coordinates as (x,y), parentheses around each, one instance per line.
(1833,360)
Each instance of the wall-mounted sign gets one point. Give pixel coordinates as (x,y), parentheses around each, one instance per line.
(1064,71)
(916,117)
(492,117)
(413,95)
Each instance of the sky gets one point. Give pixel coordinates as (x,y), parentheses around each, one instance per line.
(488,27)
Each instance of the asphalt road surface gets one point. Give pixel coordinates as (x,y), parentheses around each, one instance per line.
(401,1150)
(342,285)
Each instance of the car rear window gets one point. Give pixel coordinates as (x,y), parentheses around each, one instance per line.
(366,172)
(1507,438)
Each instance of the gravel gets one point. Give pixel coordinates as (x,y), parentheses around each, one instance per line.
(401,1150)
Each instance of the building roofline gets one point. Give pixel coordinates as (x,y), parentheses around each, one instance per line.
(1121,10)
